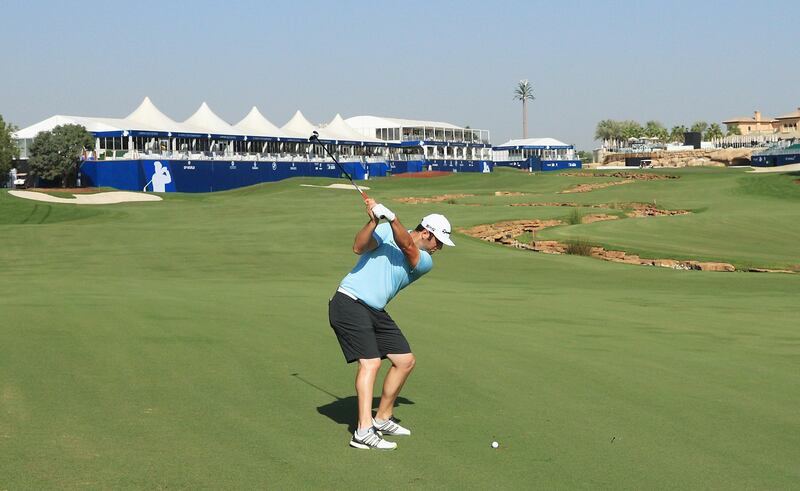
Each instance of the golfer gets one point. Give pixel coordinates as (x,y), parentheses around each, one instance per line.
(391,259)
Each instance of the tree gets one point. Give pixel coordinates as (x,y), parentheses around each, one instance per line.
(631,129)
(714,131)
(8,148)
(608,129)
(733,130)
(585,156)
(700,127)
(524,92)
(654,129)
(57,153)
(676,133)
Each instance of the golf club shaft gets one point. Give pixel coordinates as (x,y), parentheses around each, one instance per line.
(363,194)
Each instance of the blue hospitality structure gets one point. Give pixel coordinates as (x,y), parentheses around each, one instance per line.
(149,151)
(786,153)
(536,154)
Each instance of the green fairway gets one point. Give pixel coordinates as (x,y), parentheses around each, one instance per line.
(185,343)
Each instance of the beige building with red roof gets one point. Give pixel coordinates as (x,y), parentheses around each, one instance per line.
(786,125)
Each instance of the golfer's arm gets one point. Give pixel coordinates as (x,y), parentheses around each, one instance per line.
(406,244)
(364,241)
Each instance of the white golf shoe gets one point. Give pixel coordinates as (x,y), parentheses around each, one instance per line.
(390,427)
(372,441)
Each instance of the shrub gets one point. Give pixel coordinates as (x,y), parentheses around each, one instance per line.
(576,217)
(579,247)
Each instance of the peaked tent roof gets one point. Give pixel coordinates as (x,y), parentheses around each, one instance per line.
(298,126)
(148,117)
(91,124)
(338,129)
(534,143)
(148,114)
(205,119)
(257,125)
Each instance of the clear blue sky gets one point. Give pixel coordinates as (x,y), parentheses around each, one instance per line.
(458,61)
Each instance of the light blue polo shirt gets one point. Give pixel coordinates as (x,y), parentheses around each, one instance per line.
(382,272)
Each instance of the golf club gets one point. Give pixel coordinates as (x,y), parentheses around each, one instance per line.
(314,138)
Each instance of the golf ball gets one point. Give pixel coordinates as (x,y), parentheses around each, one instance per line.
(495,444)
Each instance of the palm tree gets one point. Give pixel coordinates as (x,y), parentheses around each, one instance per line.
(699,127)
(524,92)
(714,131)
(676,133)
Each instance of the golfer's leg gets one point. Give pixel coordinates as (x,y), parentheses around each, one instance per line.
(402,365)
(365,384)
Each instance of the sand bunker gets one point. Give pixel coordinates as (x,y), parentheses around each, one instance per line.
(108,198)
(780,168)
(508,193)
(334,186)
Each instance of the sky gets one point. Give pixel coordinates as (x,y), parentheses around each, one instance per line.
(675,62)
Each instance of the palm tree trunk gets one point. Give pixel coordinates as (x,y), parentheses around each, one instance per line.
(524,119)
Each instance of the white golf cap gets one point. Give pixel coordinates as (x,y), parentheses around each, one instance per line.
(439,227)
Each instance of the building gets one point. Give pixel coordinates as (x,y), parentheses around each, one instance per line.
(784,126)
(205,153)
(430,145)
(536,154)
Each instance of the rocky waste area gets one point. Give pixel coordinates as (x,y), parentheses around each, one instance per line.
(506,233)
(641,210)
(585,188)
(598,217)
(432,199)
(623,175)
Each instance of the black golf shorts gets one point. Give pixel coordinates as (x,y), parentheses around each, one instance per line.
(364,332)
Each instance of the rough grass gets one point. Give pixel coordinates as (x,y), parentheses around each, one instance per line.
(579,247)
(575,217)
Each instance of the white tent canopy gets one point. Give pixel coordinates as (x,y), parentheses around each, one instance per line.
(299,126)
(257,125)
(151,117)
(535,143)
(205,119)
(91,124)
(338,129)
(148,118)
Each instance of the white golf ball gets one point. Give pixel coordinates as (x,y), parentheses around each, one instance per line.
(495,444)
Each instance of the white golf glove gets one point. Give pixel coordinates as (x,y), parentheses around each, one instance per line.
(381,211)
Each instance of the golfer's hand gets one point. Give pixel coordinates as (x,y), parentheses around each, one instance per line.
(370,205)
(381,211)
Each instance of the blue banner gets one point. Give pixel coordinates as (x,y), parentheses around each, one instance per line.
(202,176)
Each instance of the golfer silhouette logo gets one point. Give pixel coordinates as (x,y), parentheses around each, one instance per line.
(161,177)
